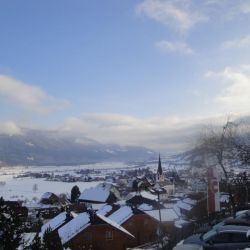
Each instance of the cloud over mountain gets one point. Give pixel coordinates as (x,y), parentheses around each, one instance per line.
(28,97)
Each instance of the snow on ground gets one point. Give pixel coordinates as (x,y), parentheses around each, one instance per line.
(12,188)
(22,188)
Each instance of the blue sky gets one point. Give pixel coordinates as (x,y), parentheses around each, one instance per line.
(123,72)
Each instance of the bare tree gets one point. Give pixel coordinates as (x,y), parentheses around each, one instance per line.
(35,187)
(242,143)
(216,147)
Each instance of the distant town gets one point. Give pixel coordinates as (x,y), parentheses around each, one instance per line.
(137,208)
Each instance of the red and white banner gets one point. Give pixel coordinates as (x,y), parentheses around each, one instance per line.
(213,193)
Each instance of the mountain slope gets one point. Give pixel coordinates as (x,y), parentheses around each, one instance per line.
(34,147)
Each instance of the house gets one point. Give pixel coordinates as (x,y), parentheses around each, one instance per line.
(93,231)
(45,211)
(49,198)
(167,219)
(159,191)
(102,193)
(54,224)
(138,223)
(168,186)
(136,199)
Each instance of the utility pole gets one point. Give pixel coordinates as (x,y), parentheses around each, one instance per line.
(160,221)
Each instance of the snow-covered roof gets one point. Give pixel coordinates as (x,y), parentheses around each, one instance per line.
(145,207)
(104,210)
(54,223)
(121,215)
(177,210)
(96,206)
(72,228)
(167,214)
(99,193)
(114,224)
(180,223)
(46,195)
(148,195)
(184,205)
(190,201)
(144,194)
(121,202)
(32,205)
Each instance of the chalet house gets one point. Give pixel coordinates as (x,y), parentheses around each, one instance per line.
(184,207)
(93,231)
(168,186)
(159,191)
(102,193)
(49,198)
(54,224)
(136,199)
(42,210)
(166,217)
(142,226)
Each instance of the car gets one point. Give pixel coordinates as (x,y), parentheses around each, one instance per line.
(224,237)
(188,247)
(242,218)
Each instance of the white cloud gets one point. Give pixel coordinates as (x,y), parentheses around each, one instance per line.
(168,134)
(237,43)
(183,15)
(178,47)
(31,98)
(9,128)
(245,7)
(235,88)
(180,14)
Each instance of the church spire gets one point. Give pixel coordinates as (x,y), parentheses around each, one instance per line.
(159,170)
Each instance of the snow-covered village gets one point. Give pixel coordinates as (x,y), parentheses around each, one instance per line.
(154,206)
(125,125)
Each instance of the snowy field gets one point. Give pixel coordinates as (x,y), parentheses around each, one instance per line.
(22,188)
(12,188)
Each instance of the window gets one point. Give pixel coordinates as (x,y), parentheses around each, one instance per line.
(146,222)
(109,235)
(239,237)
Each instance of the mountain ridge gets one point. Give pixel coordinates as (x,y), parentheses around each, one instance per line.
(38,147)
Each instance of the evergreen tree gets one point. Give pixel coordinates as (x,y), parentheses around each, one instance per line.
(51,240)
(37,244)
(75,193)
(10,227)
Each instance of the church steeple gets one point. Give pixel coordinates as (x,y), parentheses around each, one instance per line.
(159,170)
